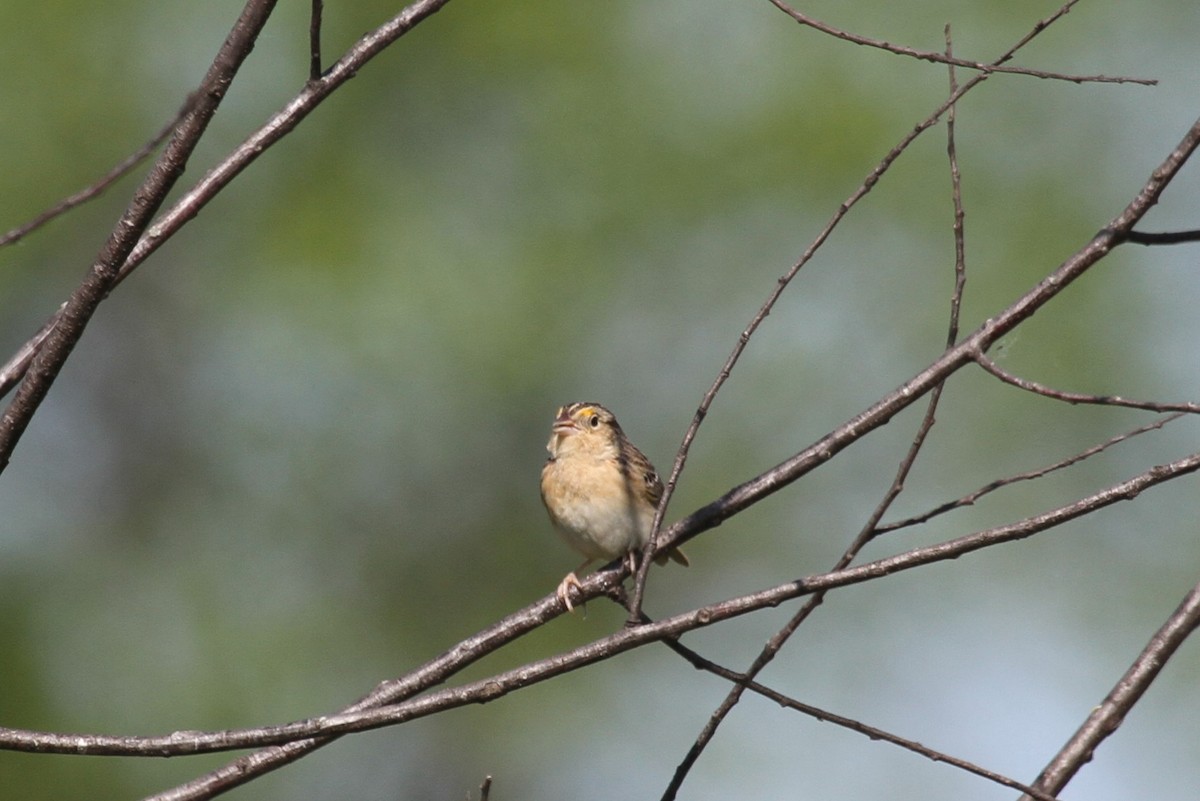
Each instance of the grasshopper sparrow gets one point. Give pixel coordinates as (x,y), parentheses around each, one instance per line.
(600,490)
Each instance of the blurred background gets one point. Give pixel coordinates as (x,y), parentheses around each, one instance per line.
(297,452)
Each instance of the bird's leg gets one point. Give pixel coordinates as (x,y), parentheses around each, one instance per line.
(570,580)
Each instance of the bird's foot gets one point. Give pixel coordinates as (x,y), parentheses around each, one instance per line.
(564,590)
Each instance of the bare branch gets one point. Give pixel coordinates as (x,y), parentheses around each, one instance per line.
(992,486)
(314,41)
(95,189)
(1163,238)
(958,227)
(929,55)
(16,366)
(1075,397)
(1107,717)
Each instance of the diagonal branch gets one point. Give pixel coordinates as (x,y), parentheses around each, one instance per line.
(1029,475)
(946,58)
(314,40)
(1162,238)
(123,168)
(1076,397)
(1106,718)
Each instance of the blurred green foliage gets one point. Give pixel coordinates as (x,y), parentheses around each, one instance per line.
(297,452)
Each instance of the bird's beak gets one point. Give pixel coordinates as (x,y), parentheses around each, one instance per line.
(563,424)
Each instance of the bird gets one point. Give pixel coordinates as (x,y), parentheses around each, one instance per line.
(600,491)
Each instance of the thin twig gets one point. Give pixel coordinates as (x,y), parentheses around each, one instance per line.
(1108,716)
(19,363)
(929,55)
(959,225)
(971,497)
(988,364)
(314,41)
(1162,238)
(97,188)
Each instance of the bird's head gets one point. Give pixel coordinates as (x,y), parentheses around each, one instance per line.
(583,427)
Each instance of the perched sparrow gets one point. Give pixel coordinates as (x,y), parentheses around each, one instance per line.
(600,490)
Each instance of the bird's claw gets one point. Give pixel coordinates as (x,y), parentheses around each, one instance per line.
(564,590)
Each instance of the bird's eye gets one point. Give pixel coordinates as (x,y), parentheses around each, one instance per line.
(594,422)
